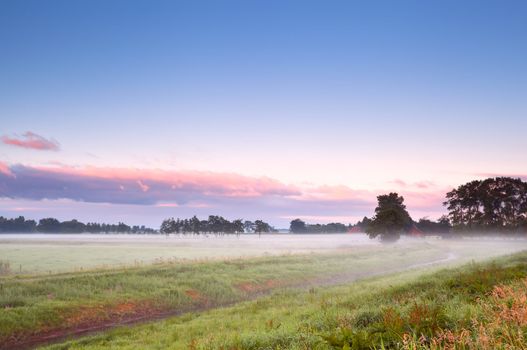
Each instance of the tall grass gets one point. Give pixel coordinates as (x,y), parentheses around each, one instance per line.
(477,306)
(5,268)
(35,305)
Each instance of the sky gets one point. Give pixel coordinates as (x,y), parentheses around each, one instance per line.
(137,111)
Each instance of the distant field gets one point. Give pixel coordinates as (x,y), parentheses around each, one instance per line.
(49,254)
(39,253)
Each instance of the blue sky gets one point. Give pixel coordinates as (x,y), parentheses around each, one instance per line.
(361,94)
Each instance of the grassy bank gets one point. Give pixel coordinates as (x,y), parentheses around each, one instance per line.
(477,306)
(35,306)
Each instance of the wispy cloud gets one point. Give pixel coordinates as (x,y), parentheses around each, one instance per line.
(419,184)
(31,140)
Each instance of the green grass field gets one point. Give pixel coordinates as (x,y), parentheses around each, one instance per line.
(37,254)
(32,305)
(40,306)
(51,254)
(460,308)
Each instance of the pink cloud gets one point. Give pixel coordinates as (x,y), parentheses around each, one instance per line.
(335,193)
(136,186)
(424,184)
(142,186)
(208,183)
(198,191)
(167,205)
(399,183)
(4,169)
(31,140)
(420,184)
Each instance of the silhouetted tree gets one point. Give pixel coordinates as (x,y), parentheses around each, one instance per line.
(215,224)
(297,226)
(364,223)
(429,226)
(391,218)
(248,226)
(494,204)
(16,225)
(52,225)
(260,226)
(72,226)
(48,225)
(195,225)
(168,226)
(237,226)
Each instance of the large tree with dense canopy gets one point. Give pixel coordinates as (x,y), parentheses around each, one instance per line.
(391,218)
(494,204)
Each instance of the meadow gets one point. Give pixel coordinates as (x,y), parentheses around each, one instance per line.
(53,253)
(208,299)
(476,306)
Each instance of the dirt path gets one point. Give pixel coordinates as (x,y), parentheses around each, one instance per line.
(60,335)
(344,278)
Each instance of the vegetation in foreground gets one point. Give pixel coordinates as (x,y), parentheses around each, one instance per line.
(32,307)
(478,306)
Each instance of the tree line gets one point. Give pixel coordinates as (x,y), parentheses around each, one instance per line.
(299,226)
(494,204)
(424,224)
(427,226)
(52,225)
(214,225)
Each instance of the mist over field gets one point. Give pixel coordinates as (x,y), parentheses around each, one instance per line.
(44,253)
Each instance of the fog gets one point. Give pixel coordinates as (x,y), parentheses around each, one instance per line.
(37,253)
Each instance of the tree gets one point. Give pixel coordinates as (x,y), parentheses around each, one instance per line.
(297,226)
(195,225)
(428,226)
(335,227)
(494,204)
(214,224)
(391,218)
(123,228)
(72,226)
(248,226)
(168,226)
(363,225)
(237,226)
(19,224)
(48,225)
(260,226)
